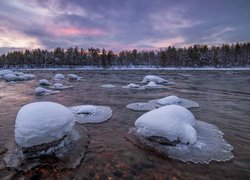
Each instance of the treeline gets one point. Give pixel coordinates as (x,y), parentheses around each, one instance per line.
(234,55)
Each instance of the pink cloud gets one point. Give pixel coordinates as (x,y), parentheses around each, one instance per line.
(74,31)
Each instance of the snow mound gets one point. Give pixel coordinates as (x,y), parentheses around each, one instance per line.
(141,106)
(156,103)
(153,85)
(10,77)
(18,73)
(59,77)
(91,114)
(39,91)
(169,100)
(44,82)
(133,86)
(18,77)
(3,72)
(209,146)
(42,122)
(60,86)
(175,123)
(73,77)
(156,79)
(29,76)
(108,86)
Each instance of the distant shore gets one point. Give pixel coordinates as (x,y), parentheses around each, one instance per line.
(133,68)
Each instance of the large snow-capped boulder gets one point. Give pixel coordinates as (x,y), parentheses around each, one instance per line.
(154,78)
(44,82)
(173,122)
(42,122)
(59,77)
(3,72)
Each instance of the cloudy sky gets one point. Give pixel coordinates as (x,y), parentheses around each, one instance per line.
(121,24)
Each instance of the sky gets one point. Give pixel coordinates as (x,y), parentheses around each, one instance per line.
(121,24)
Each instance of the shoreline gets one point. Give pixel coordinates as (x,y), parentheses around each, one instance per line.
(89,68)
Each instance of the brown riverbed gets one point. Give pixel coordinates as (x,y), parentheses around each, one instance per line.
(224,98)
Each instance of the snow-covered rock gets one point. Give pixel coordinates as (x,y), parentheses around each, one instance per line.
(154,78)
(156,103)
(60,86)
(73,77)
(3,72)
(39,91)
(153,85)
(18,73)
(29,76)
(132,86)
(42,122)
(91,114)
(108,86)
(10,77)
(44,82)
(173,122)
(59,77)
(169,100)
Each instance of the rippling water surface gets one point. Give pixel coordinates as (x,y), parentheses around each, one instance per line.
(224,98)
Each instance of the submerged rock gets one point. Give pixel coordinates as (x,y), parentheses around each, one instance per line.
(91,114)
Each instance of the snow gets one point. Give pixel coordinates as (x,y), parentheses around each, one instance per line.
(10,77)
(154,78)
(60,86)
(73,77)
(169,100)
(29,76)
(209,146)
(3,72)
(132,86)
(42,91)
(91,114)
(153,85)
(42,122)
(18,73)
(156,103)
(172,122)
(108,86)
(59,77)
(44,82)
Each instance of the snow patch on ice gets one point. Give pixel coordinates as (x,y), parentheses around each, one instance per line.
(91,114)
(39,91)
(108,86)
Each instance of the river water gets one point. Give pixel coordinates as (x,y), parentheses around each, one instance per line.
(224,98)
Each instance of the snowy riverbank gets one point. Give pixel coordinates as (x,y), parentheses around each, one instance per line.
(137,68)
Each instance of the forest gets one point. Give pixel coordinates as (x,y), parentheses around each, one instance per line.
(226,55)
